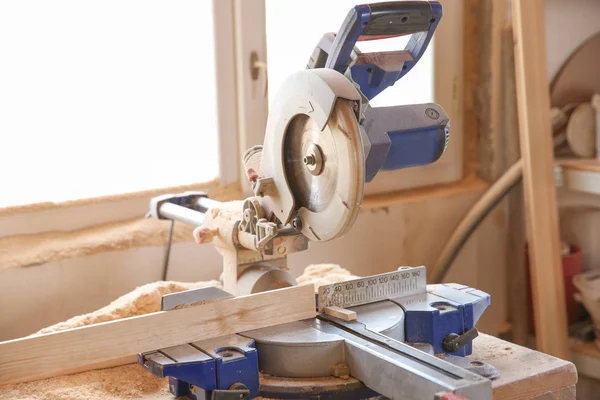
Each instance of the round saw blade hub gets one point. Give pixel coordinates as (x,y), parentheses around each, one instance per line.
(314,159)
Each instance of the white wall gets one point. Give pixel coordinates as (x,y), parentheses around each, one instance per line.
(568,24)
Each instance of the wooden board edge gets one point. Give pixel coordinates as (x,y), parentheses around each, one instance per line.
(24,369)
(555,380)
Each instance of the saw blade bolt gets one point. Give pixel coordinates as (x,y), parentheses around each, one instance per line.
(314,159)
(297,223)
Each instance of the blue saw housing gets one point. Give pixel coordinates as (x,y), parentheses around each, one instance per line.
(422,139)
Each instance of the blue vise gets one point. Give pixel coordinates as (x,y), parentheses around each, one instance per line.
(207,369)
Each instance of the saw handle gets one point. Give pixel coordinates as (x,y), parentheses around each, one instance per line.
(380,21)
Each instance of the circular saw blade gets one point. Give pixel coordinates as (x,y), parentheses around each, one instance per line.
(325,171)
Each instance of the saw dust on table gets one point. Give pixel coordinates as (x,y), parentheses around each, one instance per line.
(131,381)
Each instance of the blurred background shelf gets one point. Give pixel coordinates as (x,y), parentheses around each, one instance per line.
(586,357)
(582,175)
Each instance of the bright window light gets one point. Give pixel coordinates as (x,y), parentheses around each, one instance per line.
(100,97)
(294,28)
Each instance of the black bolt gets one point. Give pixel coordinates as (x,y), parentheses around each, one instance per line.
(431,113)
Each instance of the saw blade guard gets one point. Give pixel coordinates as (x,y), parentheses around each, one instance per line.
(313,158)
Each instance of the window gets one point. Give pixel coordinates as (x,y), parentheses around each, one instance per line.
(100,97)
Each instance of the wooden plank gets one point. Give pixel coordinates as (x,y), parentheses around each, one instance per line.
(517,287)
(341,313)
(54,354)
(490,16)
(533,104)
(524,373)
(249,22)
(226,93)
(471,82)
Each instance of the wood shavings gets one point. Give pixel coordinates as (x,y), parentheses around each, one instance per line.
(30,250)
(324,274)
(131,381)
(143,300)
(126,382)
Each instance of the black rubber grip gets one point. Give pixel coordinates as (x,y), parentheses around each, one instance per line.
(398,18)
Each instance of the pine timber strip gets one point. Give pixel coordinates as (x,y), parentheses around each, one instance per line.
(28,359)
(471,85)
(517,280)
(533,104)
(341,313)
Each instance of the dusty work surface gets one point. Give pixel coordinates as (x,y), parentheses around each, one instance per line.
(525,373)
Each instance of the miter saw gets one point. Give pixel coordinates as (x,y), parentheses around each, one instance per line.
(323,142)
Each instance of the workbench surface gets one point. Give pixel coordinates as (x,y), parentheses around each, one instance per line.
(525,374)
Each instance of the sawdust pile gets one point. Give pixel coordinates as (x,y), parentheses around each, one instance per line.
(131,381)
(143,300)
(324,274)
(125,382)
(36,249)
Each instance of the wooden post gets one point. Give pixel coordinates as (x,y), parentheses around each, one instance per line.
(533,103)
(516,270)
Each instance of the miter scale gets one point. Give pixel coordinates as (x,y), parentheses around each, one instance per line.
(323,142)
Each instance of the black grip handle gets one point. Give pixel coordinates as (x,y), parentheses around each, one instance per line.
(397,18)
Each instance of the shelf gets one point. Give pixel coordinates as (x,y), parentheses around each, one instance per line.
(582,175)
(582,164)
(586,357)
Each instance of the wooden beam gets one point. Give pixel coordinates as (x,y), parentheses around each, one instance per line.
(77,349)
(471,84)
(517,282)
(341,313)
(533,104)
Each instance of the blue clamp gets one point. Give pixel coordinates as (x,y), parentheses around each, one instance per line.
(198,370)
(381,21)
(446,309)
